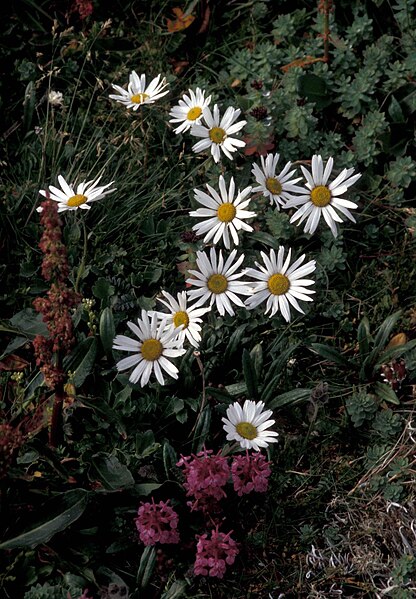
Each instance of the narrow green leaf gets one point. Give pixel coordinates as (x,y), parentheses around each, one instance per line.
(331,354)
(382,337)
(395,352)
(395,111)
(237,389)
(363,337)
(234,341)
(107,330)
(250,375)
(386,393)
(169,458)
(110,472)
(146,567)
(176,590)
(145,489)
(86,365)
(201,429)
(56,515)
(257,357)
(289,398)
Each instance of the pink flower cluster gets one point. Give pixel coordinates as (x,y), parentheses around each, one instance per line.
(206,475)
(157,523)
(250,473)
(214,554)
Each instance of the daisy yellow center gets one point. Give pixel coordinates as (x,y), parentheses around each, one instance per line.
(217,135)
(194,113)
(77,200)
(217,283)
(151,349)
(181,318)
(273,185)
(226,212)
(320,196)
(246,430)
(278,284)
(139,98)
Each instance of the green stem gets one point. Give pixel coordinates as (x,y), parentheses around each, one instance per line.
(81,268)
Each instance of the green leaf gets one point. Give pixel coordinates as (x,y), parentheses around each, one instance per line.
(201,429)
(289,398)
(145,489)
(26,322)
(237,389)
(110,472)
(29,105)
(382,336)
(146,567)
(386,393)
(145,444)
(257,358)
(170,458)
(363,337)
(234,341)
(107,330)
(57,515)
(176,590)
(395,111)
(331,354)
(266,239)
(314,89)
(250,375)
(86,365)
(101,406)
(395,352)
(103,289)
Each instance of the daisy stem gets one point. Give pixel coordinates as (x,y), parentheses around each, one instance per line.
(81,268)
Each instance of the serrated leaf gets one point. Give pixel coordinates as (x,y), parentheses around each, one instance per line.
(146,567)
(107,330)
(103,289)
(110,472)
(57,515)
(250,376)
(289,398)
(386,393)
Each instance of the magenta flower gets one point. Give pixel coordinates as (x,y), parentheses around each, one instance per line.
(205,474)
(213,555)
(250,473)
(157,523)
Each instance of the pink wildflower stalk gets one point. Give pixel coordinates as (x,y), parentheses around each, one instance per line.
(250,473)
(214,554)
(206,475)
(157,523)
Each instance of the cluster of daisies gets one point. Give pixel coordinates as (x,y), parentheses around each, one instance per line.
(219,280)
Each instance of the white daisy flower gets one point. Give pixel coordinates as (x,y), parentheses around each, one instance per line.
(216,134)
(218,282)
(224,214)
(323,199)
(185,318)
(280,284)
(137,93)
(248,425)
(189,111)
(156,344)
(279,188)
(69,199)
